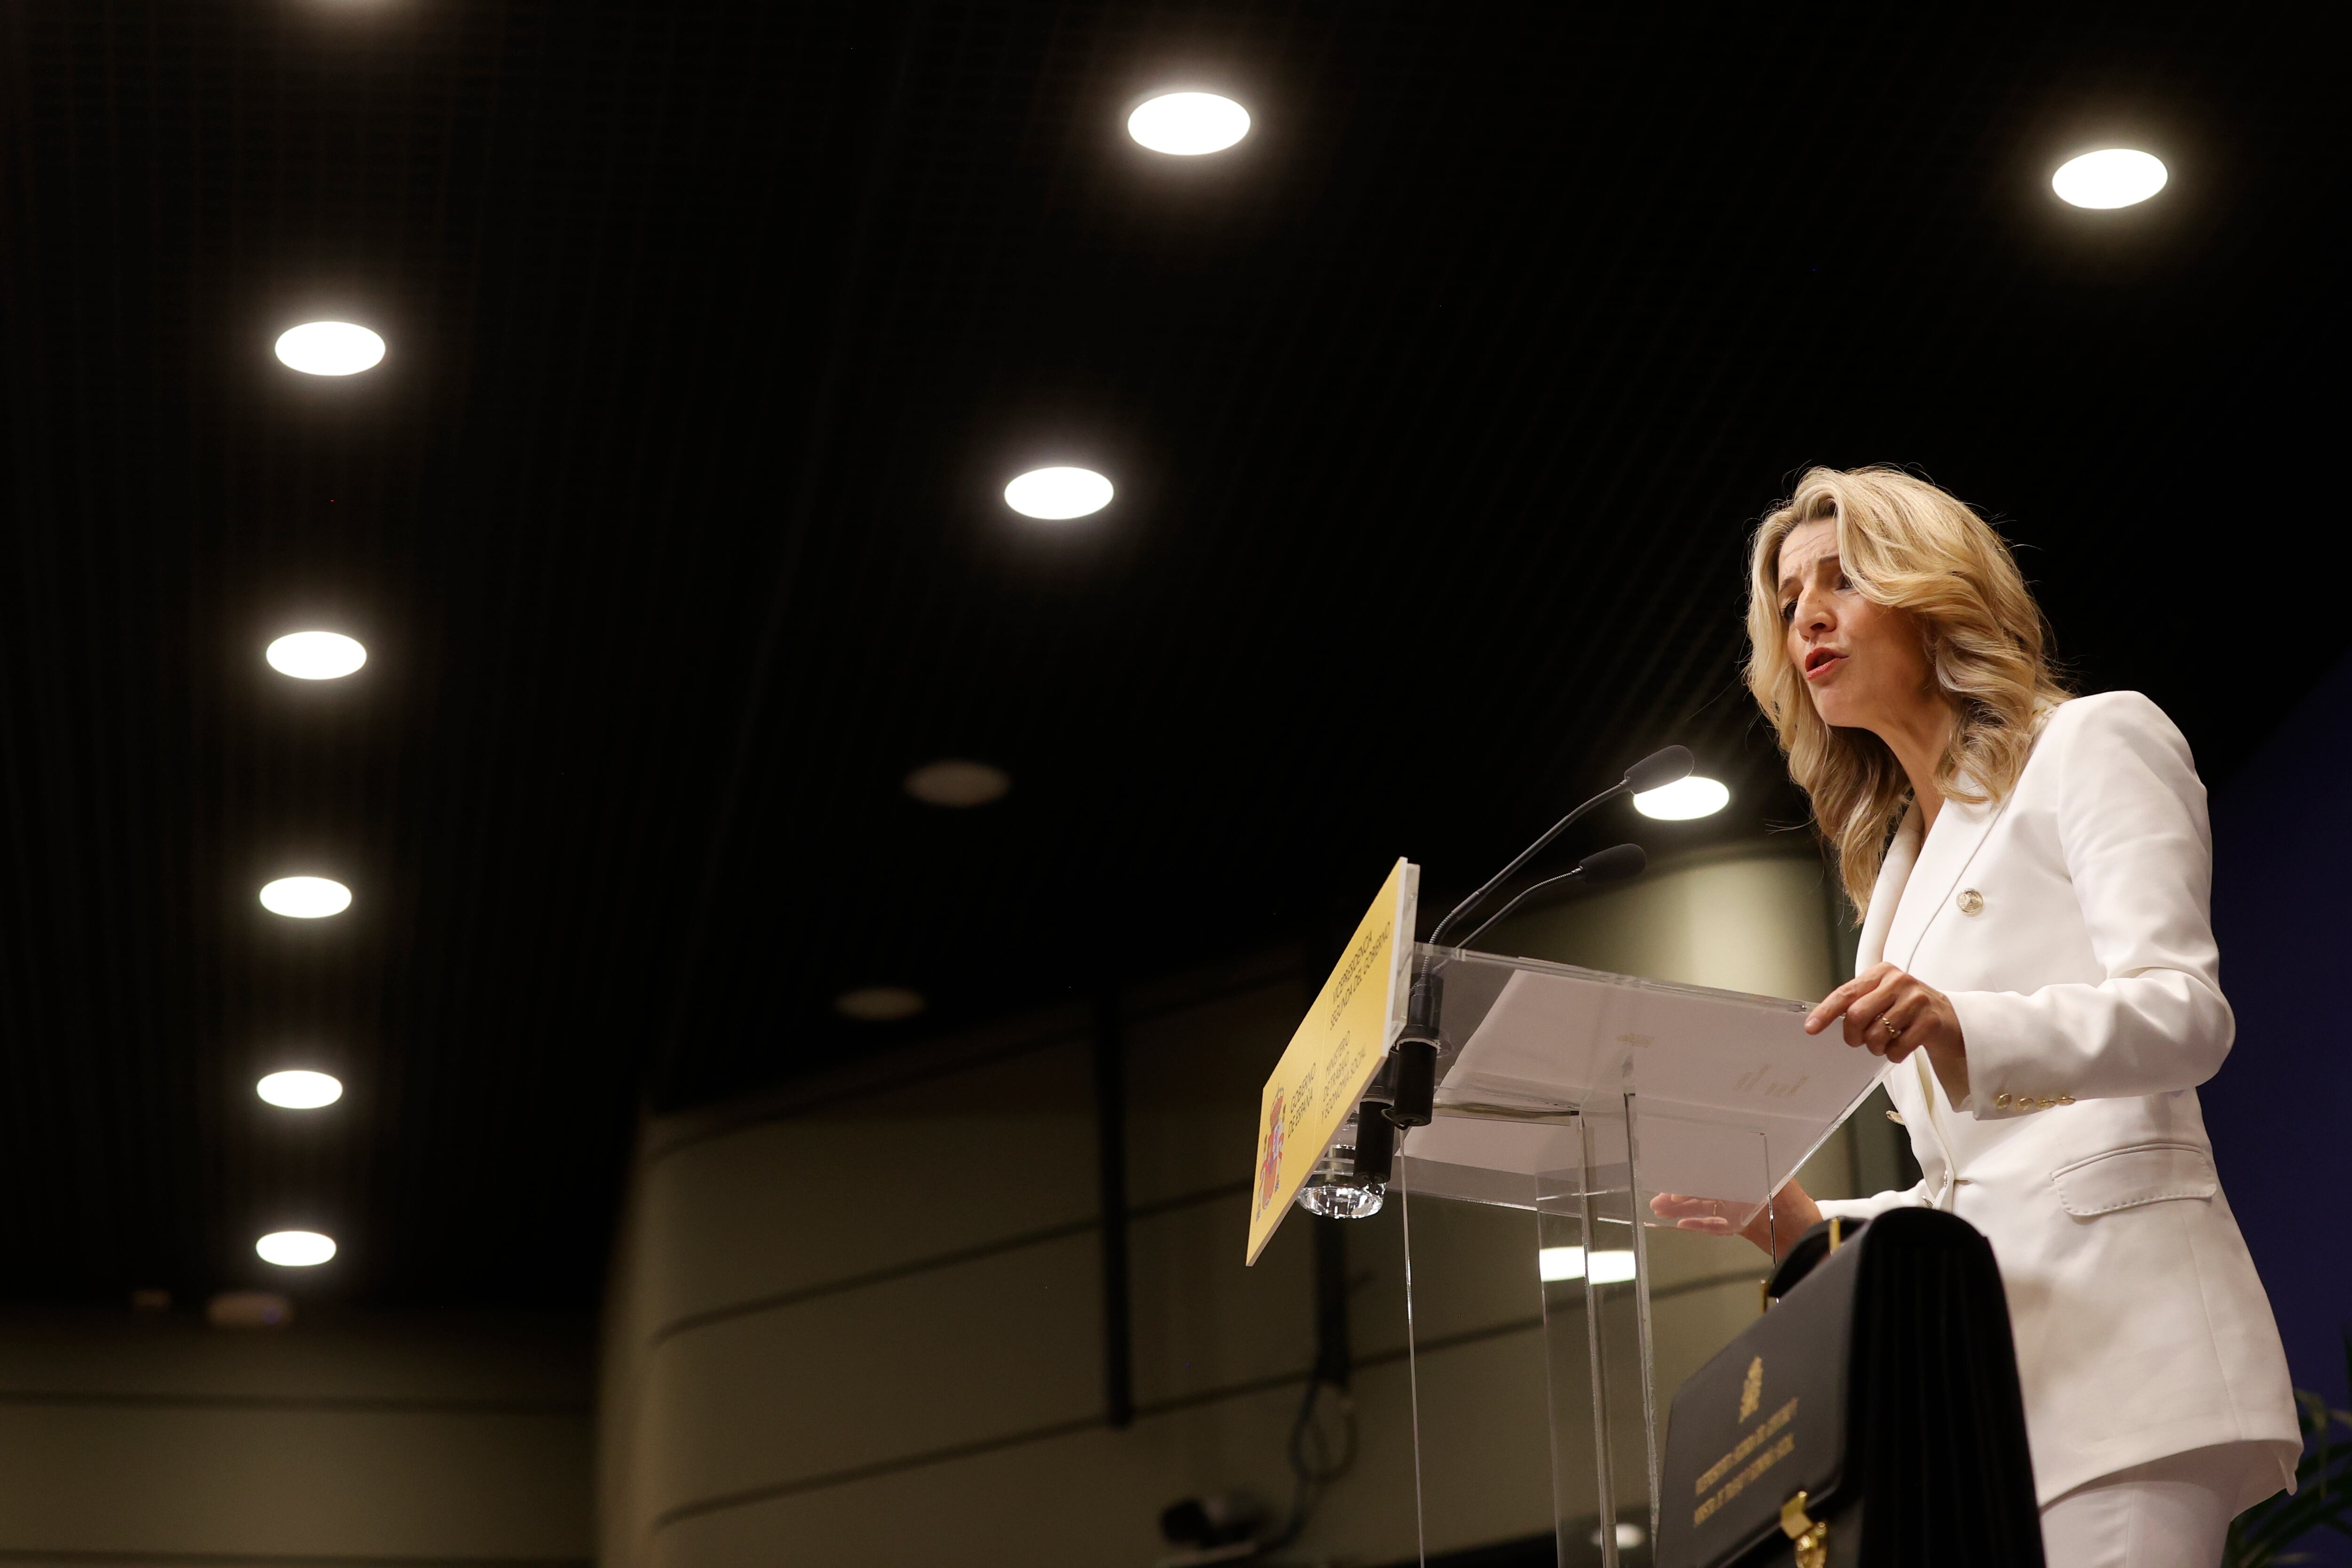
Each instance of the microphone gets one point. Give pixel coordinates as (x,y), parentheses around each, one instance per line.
(1401,1096)
(1659,769)
(1405,1092)
(1613,864)
(1654,772)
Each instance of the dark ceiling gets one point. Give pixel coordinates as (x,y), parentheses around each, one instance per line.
(1437,409)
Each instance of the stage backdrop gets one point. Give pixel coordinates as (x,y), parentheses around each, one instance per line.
(2281,1110)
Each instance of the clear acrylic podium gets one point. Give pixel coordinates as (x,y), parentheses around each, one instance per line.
(1578,1097)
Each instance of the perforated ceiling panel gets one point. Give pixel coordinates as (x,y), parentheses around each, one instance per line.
(1436,410)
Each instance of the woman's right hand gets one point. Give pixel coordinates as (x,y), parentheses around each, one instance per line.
(1774,1228)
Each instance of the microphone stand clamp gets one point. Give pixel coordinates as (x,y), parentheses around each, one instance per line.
(1401,1095)
(1415,1053)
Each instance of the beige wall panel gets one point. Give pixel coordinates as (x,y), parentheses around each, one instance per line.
(977,1155)
(1194,1080)
(948,1357)
(1201,1319)
(178,1480)
(1486,1455)
(405,1356)
(1094,1496)
(621,1338)
(1474,1267)
(1692,1327)
(416,1435)
(1749,924)
(1680,1257)
(1202,1322)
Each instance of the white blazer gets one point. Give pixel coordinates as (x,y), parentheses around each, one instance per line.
(2069,924)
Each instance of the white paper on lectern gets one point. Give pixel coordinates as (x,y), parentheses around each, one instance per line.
(1730,1093)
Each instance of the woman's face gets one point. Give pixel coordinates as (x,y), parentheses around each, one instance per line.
(1866,664)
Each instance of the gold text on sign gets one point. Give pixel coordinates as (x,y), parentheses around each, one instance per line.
(1739,1483)
(1748,1445)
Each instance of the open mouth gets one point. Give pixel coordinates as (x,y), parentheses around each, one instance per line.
(1821,660)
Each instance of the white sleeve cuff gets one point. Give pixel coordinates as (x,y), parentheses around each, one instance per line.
(1873,1206)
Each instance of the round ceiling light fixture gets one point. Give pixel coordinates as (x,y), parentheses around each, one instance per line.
(1059,494)
(316,656)
(1187,125)
(295,1248)
(958,782)
(878,1004)
(330,347)
(1683,799)
(2111,177)
(298,1088)
(306,898)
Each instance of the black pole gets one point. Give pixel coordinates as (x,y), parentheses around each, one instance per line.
(1334,1355)
(1110,1146)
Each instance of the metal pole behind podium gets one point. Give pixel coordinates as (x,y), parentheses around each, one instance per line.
(1110,1148)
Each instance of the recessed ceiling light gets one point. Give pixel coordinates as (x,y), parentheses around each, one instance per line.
(2113,177)
(295,1248)
(878,1004)
(306,898)
(954,781)
(299,1090)
(330,347)
(1683,799)
(316,656)
(1187,124)
(1058,493)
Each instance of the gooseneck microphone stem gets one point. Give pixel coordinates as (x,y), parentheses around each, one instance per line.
(1403,1096)
(1611,865)
(1515,903)
(1659,768)
(1437,937)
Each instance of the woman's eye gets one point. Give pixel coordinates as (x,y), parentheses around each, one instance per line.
(1787,608)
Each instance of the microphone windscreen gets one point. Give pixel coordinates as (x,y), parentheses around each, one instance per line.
(1659,769)
(1615,863)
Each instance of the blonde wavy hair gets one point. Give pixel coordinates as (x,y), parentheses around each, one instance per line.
(1908,545)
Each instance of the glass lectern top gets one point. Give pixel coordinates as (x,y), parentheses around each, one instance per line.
(1729,1093)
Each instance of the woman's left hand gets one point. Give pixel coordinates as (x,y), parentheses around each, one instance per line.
(1892,1013)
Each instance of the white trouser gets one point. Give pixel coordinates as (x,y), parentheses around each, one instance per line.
(2173,1513)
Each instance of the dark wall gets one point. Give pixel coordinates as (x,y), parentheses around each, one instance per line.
(2281,1110)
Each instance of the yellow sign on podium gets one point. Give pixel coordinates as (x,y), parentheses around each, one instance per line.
(1331,1060)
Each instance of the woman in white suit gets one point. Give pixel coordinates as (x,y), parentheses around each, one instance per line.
(2038,968)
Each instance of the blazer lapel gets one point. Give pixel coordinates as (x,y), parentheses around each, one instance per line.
(1908,862)
(1959,832)
(1893,873)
